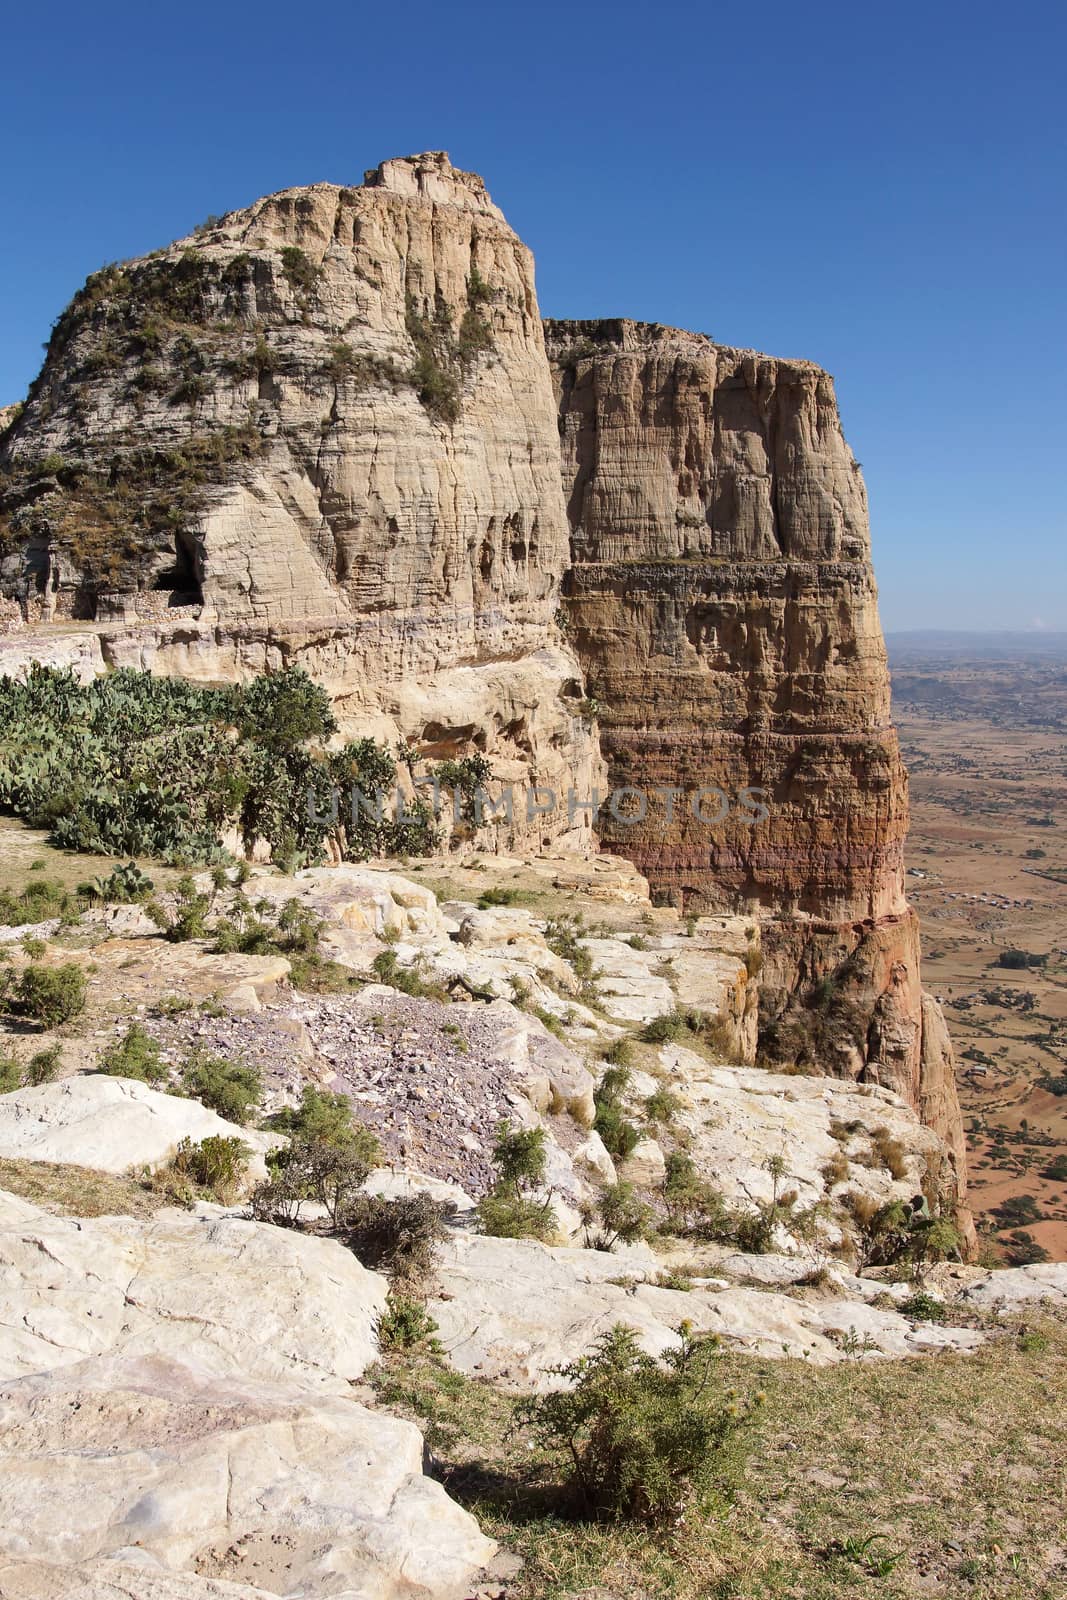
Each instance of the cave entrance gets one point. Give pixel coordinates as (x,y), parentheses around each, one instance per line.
(181,580)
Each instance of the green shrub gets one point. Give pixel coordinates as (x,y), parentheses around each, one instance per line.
(41,1067)
(506,1214)
(387,969)
(50,995)
(216,1164)
(662,1107)
(620,1053)
(301,273)
(10,1074)
(923,1307)
(511,1210)
(497,897)
(406,1325)
(563,935)
(666,1029)
(320,1118)
(519,1156)
(618,1134)
(330,1174)
(634,1437)
(40,901)
(135,1055)
(693,1204)
(896,1233)
(284,710)
(618,1216)
(229,1088)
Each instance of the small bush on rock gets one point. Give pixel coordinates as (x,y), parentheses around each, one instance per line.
(618,1133)
(662,1107)
(135,1055)
(398,1237)
(505,1214)
(512,1209)
(387,969)
(328,1160)
(693,1204)
(637,1438)
(619,1216)
(406,1325)
(216,1164)
(227,1087)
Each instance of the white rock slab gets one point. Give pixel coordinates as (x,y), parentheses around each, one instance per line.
(149,1457)
(111,1124)
(229,1295)
(512,1310)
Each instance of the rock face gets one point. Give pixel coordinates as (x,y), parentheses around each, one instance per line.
(320,431)
(722,603)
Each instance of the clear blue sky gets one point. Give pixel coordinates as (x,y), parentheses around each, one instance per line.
(880,188)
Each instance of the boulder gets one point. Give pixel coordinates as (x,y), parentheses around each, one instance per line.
(226,1294)
(591,1160)
(148,1458)
(176,1400)
(646,1164)
(555,1078)
(112,1124)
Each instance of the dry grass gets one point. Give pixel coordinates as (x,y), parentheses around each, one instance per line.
(959,1461)
(21,847)
(79,1191)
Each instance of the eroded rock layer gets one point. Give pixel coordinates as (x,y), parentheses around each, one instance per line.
(319,430)
(722,603)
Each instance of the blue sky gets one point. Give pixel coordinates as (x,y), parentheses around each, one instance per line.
(880,189)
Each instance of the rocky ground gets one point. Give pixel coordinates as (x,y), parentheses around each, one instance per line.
(245,1348)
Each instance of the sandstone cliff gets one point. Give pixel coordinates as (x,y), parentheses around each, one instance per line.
(722,603)
(320,430)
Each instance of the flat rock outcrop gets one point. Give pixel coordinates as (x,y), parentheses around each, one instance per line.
(112,1124)
(513,1310)
(182,1389)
